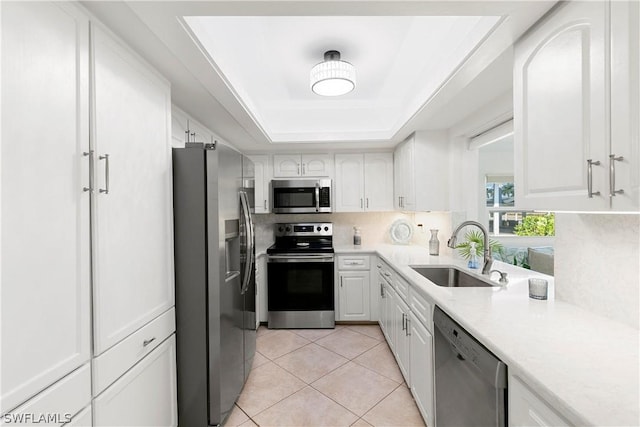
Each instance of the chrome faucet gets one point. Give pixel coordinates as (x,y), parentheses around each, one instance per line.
(486,267)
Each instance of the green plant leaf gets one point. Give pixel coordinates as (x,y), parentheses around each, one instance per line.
(475,236)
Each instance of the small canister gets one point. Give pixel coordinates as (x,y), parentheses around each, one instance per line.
(538,288)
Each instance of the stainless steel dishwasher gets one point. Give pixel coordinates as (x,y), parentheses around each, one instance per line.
(471,382)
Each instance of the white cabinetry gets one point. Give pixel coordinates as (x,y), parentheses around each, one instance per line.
(527,409)
(364,182)
(145,395)
(401,336)
(301,165)
(354,287)
(421,171)
(45,212)
(421,355)
(263,174)
(133,245)
(567,84)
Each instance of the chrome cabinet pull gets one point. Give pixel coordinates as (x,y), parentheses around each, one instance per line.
(90,155)
(590,192)
(106,173)
(265,204)
(612,175)
(407,331)
(361,206)
(341,282)
(381,290)
(303,169)
(404,327)
(147,342)
(367,203)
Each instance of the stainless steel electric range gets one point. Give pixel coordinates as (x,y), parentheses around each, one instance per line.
(300,276)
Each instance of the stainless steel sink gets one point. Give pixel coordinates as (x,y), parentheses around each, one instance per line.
(451,277)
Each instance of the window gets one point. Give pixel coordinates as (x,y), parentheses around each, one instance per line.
(503,216)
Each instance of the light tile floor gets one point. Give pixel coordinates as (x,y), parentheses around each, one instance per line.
(345,376)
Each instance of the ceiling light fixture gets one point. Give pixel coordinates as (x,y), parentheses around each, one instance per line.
(332,77)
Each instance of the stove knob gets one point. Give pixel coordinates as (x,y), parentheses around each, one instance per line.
(326,229)
(280,229)
(288,229)
(319,228)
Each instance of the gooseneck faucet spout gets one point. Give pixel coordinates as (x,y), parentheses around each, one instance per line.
(486,267)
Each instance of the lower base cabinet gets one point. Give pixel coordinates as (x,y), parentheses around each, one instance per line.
(401,335)
(145,395)
(354,295)
(527,409)
(421,358)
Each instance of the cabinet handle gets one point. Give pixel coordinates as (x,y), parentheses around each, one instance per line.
(386,273)
(90,155)
(106,173)
(147,342)
(612,175)
(406,331)
(367,203)
(361,203)
(303,169)
(590,192)
(378,265)
(341,282)
(381,290)
(265,204)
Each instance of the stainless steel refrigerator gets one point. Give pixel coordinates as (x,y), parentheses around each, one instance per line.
(213,193)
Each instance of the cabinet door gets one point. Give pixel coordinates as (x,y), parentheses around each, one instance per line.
(286,165)
(560,110)
(145,395)
(401,336)
(262,184)
(526,409)
(429,184)
(421,362)
(378,181)
(403,169)
(349,183)
(316,165)
(625,104)
(133,245)
(45,322)
(354,295)
(389,318)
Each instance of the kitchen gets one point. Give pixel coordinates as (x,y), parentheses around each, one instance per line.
(89,270)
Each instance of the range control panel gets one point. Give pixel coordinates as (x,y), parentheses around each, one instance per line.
(304,229)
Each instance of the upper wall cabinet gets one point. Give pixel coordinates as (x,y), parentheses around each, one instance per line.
(421,172)
(576,109)
(295,165)
(45,211)
(364,182)
(262,168)
(133,245)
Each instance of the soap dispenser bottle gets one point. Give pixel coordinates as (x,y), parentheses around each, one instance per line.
(357,239)
(473,256)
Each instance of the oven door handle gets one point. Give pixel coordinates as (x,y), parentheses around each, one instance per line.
(302,258)
(317,197)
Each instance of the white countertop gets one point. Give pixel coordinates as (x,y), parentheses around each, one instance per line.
(584,365)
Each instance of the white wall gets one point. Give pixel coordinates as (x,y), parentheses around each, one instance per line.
(374,227)
(597,264)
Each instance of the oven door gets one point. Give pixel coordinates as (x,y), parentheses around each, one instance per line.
(300,291)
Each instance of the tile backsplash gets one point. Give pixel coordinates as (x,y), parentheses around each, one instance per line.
(374,226)
(597,264)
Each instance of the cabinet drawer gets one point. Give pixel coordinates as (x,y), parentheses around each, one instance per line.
(353,262)
(83,419)
(145,395)
(110,365)
(62,400)
(422,309)
(402,287)
(384,271)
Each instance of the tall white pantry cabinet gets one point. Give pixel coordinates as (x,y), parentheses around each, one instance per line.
(87,252)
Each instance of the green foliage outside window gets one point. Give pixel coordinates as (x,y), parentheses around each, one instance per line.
(536,225)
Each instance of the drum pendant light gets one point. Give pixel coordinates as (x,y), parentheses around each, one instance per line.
(332,77)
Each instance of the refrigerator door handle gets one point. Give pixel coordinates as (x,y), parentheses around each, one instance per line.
(248,235)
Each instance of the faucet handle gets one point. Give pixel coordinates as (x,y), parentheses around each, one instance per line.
(452,242)
(503,276)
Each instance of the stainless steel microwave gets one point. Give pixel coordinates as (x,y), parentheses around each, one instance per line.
(301,195)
